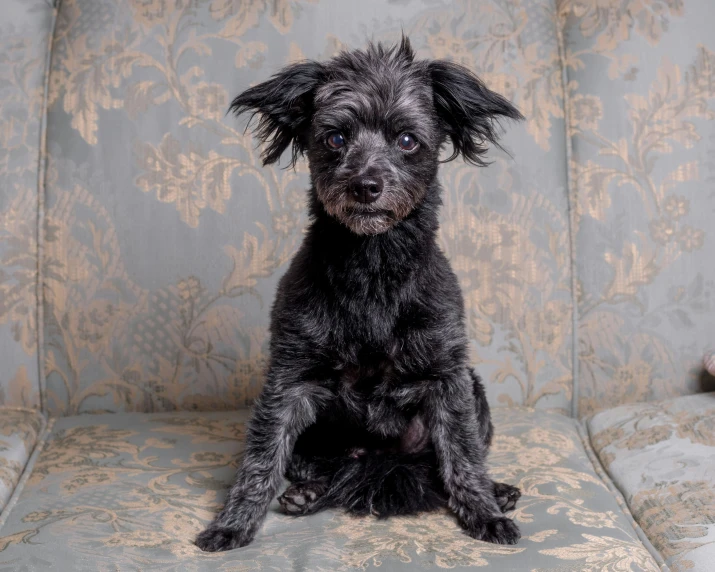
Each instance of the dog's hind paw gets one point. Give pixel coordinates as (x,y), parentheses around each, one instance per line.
(301,498)
(499,530)
(506,496)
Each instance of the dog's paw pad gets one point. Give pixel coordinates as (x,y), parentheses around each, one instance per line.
(506,496)
(300,498)
(499,530)
(219,539)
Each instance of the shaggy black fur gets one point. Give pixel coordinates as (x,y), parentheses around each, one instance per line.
(369,403)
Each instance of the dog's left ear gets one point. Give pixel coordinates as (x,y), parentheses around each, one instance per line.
(468,110)
(285,106)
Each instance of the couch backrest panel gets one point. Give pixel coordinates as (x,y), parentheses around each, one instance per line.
(642,100)
(25,33)
(164,237)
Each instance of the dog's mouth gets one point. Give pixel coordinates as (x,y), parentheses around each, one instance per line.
(367,220)
(367,212)
(361,218)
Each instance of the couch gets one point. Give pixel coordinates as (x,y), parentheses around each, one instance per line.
(141,242)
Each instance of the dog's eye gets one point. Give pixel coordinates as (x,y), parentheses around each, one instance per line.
(407,142)
(335,140)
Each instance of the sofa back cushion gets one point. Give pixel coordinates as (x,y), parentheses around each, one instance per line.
(25,33)
(642,103)
(164,237)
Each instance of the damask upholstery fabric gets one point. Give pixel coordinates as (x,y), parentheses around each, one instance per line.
(641,100)
(148,308)
(161,240)
(662,457)
(25,31)
(164,237)
(19,432)
(130,491)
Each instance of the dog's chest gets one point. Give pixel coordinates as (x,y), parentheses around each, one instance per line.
(374,394)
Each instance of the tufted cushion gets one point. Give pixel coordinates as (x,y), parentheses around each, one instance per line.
(19,431)
(709,363)
(127,491)
(662,457)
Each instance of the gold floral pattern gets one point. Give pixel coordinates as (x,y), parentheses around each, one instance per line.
(130,489)
(19,432)
(611,22)
(25,30)
(679,517)
(147,63)
(163,260)
(162,239)
(174,176)
(639,133)
(661,456)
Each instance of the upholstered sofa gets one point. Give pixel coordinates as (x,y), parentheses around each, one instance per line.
(141,242)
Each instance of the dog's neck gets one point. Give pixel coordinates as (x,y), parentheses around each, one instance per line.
(396,251)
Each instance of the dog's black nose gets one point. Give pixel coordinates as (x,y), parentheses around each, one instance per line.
(365,189)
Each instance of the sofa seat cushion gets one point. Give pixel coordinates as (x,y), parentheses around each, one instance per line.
(19,431)
(128,491)
(662,457)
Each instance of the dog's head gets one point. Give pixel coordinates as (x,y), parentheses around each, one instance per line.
(372,124)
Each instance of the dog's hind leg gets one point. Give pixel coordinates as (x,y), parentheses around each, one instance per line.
(309,480)
(506,496)
(303,498)
(302,468)
(484,416)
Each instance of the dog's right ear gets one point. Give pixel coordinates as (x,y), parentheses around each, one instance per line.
(284,104)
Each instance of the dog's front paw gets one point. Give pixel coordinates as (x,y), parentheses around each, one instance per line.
(219,538)
(498,530)
(506,496)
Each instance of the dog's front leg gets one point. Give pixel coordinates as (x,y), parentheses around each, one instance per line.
(462,450)
(286,406)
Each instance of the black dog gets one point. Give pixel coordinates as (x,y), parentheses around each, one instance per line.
(369,403)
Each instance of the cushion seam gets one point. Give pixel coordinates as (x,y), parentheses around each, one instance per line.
(27,471)
(25,409)
(600,470)
(571,205)
(41,173)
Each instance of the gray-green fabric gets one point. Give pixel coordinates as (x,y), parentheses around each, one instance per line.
(167,237)
(130,491)
(25,30)
(662,457)
(641,99)
(141,242)
(163,237)
(19,431)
